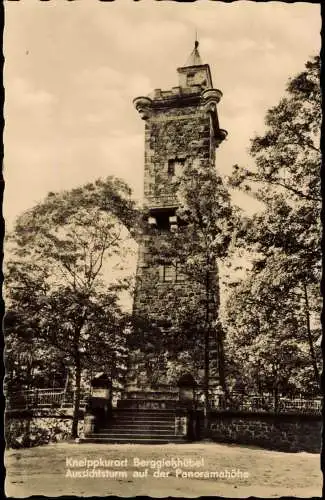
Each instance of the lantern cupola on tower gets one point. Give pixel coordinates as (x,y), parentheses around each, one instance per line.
(194,73)
(194,88)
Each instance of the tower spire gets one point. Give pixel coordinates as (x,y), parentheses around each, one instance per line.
(195,58)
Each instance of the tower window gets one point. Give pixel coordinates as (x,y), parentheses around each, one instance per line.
(171,168)
(190,79)
(171,273)
(175,167)
(167,272)
(180,276)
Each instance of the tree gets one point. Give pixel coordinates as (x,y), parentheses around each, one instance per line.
(61,251)
(267,345)
(25,353)
(284,238)
(29,361)
(287,156)
(205,236)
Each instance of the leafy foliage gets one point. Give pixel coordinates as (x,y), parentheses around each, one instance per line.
(287,156)
(274,313)
(58,300)
(27,433)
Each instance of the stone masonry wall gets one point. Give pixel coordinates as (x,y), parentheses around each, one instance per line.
(173,133)
(281,432)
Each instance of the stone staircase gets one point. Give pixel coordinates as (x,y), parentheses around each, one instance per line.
(142,426)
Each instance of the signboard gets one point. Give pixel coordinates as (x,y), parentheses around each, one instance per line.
(99,392)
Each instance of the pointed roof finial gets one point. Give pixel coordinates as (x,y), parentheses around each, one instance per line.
(195,58)
(196,43)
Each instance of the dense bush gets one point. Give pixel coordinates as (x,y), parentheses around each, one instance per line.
(26,433)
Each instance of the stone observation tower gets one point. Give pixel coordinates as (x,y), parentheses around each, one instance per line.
(167,365)
(181,125)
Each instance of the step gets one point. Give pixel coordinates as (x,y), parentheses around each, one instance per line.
(135,432)
(131,435)
(140,421)
(143,416)
(142,410)
(132,412)
(134,426)
(149,400)
(122,411)
(143,406)
(137,440)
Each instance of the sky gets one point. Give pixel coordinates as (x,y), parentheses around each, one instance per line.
(72,70)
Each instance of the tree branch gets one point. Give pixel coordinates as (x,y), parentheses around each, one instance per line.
(255,178)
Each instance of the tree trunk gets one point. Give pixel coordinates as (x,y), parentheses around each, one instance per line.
(221,361)
(310,338)
(76,396)
(206,359)
(206,381)
(66,381)
(275,397)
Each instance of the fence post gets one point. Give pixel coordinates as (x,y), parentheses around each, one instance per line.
(275,399)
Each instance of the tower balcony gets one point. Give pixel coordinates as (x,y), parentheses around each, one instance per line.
(160,201)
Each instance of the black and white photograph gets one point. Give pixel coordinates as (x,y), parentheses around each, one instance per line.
(162,251)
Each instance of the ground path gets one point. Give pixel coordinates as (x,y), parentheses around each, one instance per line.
(44,470)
